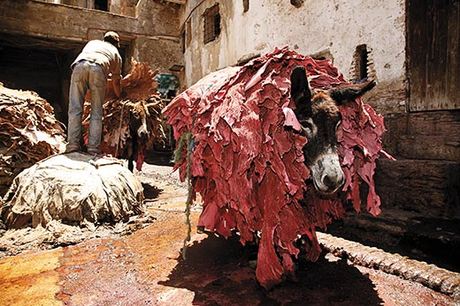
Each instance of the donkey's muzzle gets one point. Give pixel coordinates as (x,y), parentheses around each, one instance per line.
(333,181)
(143,132)
(327,174)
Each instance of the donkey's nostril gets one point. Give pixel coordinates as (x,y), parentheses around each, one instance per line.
(333,181)
(327,181)
(142,132)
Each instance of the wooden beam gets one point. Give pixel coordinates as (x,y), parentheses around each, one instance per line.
(181,2)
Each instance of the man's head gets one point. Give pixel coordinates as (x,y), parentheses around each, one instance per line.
(112,38)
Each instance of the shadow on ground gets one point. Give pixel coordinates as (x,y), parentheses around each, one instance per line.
(159,158)
(151,192)
(216,270)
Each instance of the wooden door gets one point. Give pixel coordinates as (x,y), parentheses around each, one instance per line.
(433,35)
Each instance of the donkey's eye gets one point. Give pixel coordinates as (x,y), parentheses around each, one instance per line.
(308,127)
(306,123)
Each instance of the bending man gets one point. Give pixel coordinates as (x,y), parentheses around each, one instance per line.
(97,61)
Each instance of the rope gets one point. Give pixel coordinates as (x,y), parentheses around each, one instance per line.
(119,127)
(183,140)
(187,137)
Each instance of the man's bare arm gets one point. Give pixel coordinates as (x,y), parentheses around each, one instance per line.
(117,87)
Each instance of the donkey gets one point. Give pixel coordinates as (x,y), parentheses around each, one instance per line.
(138,131)
(319,118)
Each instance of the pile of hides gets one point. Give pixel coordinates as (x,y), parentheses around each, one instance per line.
(249,168)
(139,88)
(29,132)
(73,189)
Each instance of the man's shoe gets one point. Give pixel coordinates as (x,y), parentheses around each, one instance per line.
(72,148)
(94,151)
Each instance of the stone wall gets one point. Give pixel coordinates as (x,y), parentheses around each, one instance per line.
(155,25)
(148,30)
(426,175)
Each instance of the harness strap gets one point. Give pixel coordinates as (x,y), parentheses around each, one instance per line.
(119,127)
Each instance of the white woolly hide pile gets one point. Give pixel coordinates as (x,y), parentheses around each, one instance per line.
(72,189)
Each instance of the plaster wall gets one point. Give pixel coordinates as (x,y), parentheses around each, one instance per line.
(336,27)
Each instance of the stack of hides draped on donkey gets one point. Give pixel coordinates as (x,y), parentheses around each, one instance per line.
(249,166)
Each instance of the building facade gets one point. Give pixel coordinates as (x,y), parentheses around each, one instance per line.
(40,39)
(410,48)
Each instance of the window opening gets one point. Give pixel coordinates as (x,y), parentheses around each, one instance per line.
(245,6)
(297,3)
(101,5)
(360,63)
(323,55)
(211,23)
(182,41)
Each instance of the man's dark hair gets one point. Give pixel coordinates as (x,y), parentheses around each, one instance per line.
(111,40)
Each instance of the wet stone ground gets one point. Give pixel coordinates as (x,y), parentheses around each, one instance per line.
(145,267)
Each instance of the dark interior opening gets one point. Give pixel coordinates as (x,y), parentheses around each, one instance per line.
(212,21)
(217,25)
(361,52)
(27,65)
(101,5)
(245,6)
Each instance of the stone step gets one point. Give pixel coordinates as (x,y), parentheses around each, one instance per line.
(446,147)
(430,275)
(430,239)
(426,186)
(424,135)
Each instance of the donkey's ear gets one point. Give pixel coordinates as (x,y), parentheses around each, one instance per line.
(350,92)
(300,90)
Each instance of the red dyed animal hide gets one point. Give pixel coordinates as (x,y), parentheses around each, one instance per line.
(249,169)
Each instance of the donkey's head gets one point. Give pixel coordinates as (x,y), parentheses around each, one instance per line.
(320,118)
(139,114)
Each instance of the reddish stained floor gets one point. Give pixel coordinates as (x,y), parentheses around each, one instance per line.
(146,268)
